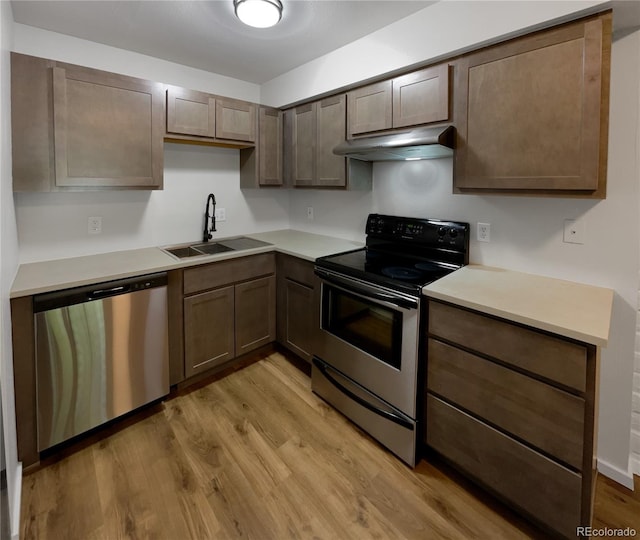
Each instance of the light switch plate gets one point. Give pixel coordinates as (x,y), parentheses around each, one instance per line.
(221,214)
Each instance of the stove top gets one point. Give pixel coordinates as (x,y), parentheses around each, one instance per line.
(404,254)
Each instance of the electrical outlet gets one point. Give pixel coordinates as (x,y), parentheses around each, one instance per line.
(309,212)
(94,225)
(484,232)
(221,214)
(574,231)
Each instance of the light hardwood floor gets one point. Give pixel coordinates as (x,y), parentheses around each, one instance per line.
(256,455)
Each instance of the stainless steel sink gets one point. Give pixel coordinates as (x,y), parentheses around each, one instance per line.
(213,248)
(238,244)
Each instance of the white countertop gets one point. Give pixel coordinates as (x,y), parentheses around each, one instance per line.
(573,310)
(45,276)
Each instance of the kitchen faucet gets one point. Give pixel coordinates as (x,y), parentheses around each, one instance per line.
(206,235)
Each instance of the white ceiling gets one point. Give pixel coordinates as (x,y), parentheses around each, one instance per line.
(208,36)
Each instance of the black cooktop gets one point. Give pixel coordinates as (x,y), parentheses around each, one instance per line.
(404,254)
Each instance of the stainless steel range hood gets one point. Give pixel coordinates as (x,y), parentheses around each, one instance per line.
(418,143)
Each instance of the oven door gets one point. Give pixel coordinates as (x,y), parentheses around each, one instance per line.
(370,334)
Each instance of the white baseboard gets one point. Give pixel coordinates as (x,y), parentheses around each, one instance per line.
(616,474)
(15,506)
(635,464)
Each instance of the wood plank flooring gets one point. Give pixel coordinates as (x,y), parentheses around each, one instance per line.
(256,455)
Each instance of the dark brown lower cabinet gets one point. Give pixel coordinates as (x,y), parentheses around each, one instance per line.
(514,408)
(229,309)
(255,314)
(539,486)
(298,305)
(208,330)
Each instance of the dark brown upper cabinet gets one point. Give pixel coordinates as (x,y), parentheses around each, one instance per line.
(370,108)
(262,164)
(194,116)
(76,128)
(331,124)
(420,97)
(235,119)
(532,113)
(312,131)
(301,140)
(191,113)
(316,129)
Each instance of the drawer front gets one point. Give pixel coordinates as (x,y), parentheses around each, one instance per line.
(210,276)
(546,417)
(295,269)
(553,358)
(545,490)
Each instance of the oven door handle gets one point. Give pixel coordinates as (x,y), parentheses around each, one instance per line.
(365,290)
(393,417)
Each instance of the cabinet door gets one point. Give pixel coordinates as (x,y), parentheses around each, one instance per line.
(255,314)
(421,97)
(31,141)
(533,112)
(298,305)
(369,108)
(191,113)
(270,147)
(108,130)
(235,120)
(208,330)
(299,317)
(331,170)
(303,144)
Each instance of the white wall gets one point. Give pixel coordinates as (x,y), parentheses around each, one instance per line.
(526,235)
(54,225)
(8,265)
(439,31)
(635,409)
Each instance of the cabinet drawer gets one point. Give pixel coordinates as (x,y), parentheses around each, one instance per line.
(548,492)
(553,358)
(217,274)
(548,418)
(297,270)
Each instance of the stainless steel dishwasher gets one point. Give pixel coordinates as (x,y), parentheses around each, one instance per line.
(101,351)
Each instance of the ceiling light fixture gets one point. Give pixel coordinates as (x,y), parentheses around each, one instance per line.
(258,13)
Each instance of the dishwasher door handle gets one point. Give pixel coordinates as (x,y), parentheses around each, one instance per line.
(106,293)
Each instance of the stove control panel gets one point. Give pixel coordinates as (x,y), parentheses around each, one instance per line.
(435,233)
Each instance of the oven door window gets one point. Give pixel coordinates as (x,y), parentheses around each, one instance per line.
(371,327)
